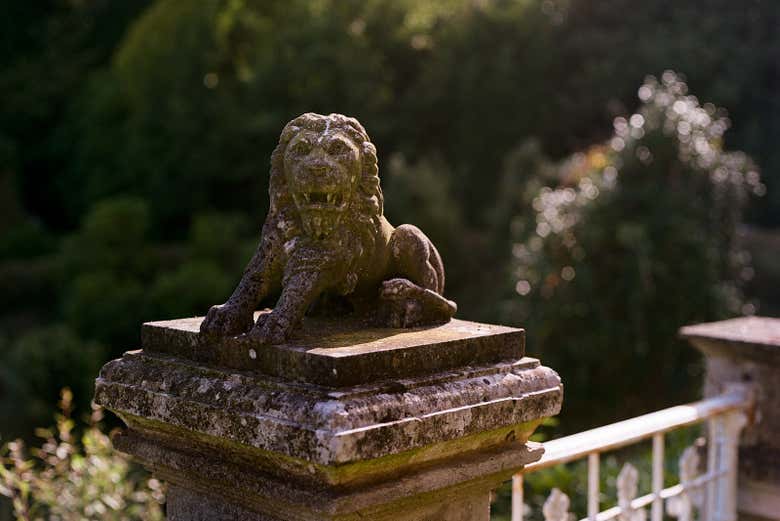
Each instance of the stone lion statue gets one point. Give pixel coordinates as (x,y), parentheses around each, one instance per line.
(326,245)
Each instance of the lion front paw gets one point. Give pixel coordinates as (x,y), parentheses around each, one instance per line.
(269,329)
(402,306)
(226,320)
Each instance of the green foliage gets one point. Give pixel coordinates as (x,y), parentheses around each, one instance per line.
(136,139)
(48,50)
(637,239)
(195,96)
(176,294)
(112,237)
(202,90)
(102,306)
(221,238)
(28,239)
(107,262)
(118,277)
(72,478)
(423,189)
(34,368)
(218,248)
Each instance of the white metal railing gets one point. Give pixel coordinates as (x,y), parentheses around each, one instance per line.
(712,493)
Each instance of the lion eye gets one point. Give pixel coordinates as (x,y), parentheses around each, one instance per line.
(301,148)
(338,148)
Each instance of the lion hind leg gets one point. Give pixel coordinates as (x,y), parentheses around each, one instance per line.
(414,296)
(415,257)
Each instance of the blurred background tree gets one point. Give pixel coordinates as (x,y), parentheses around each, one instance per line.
(627,241)
(135,140)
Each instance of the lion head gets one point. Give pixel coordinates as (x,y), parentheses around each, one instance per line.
(326,168)
(325,183)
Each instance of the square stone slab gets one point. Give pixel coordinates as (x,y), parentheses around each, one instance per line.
(345,351)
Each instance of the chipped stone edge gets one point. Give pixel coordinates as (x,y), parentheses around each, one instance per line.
(333,438)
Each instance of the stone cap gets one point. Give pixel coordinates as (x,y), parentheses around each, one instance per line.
(295,425)
(754,338)
(343,352)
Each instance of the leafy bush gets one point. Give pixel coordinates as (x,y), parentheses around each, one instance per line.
(113,236)
(33,369)
(424,190)
(637,239)
(107,264)
(193,288)
(130,130)
(72,478)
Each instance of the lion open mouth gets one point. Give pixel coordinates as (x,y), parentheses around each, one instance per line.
(320,210)
(320,200)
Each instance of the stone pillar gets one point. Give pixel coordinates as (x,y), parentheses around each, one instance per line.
(345,422)
(747,350)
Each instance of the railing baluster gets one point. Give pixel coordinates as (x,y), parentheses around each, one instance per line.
(731,425)
(713,427)
(627,490)
(657,512)
(517,497)
(556,508)
(593,485)
(683,505)
(713,493)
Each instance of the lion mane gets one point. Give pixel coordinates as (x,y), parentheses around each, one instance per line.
(361,223)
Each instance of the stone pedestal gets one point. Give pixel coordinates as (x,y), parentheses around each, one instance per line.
(344,422)
(747,350)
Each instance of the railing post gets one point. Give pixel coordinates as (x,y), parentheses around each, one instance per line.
(518,501)
(657,512)
(593,485)
(747,351)
(729,429)
(714,428)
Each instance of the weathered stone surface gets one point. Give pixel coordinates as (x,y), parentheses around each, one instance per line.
(747,350)
(749,338)
(387,410)
(417,494)
(323,426)
(425,439)
(343,352)
(326,244)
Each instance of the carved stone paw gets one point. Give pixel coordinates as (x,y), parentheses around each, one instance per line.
(269,329)
(403,306)
(226,320)
(399,289)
